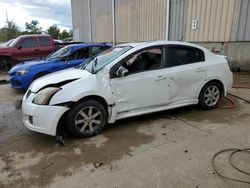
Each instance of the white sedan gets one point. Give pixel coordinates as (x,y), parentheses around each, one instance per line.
(124,81)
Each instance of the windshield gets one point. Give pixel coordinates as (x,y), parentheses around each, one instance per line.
(97,63)
(13,42)
(63,52)
(8,43)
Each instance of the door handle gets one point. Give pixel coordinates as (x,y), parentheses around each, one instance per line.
(159,78)
(200,70)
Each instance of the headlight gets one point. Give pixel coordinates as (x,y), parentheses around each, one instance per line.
(22,72)
(44,96)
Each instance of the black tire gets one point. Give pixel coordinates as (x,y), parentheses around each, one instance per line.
(90,122)
(210,96)
(6,63)
(39,75)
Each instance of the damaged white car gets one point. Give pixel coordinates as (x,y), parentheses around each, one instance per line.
(125,81)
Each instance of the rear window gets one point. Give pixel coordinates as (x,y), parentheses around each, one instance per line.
(181,55)
(44,41)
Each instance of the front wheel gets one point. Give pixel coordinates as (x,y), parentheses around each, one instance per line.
(86,119)
(210,96)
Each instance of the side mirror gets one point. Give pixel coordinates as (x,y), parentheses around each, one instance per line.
(19,46)
(122,72)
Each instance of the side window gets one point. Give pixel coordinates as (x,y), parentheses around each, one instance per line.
(29,43)
(182,55)
(74,56)
(96,50)
(145,60)
(83,53)
(44,41)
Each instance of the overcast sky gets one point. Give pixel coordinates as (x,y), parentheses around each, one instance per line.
(46,12)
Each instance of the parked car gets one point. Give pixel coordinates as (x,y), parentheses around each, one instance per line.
(125,81)
(27,47)
(7,43)
(22,75)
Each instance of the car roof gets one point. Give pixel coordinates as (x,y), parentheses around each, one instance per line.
(159,42)
(83,45)
(34,35)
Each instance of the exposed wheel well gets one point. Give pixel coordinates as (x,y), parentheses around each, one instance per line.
(6,62)
(219,83)
(61,126)
(96,98)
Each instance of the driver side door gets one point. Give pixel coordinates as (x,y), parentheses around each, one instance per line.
(146,85)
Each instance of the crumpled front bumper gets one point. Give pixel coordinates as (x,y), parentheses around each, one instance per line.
(41,118)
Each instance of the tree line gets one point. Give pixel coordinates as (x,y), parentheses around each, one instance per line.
(11,31)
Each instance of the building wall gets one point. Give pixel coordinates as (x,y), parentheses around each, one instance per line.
(143,20)
(177,20)
(140,20)
(244,21)
(101,20)
(217,20)
(80,15)
(237,52)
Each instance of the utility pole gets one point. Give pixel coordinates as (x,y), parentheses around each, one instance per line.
(6,29)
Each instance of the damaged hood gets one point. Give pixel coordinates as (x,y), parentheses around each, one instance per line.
(59,77)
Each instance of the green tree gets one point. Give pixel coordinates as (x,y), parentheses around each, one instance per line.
(9,31)
(54,31)
(33,27)
(65,34)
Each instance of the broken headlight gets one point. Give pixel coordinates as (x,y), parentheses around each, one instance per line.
(44,96)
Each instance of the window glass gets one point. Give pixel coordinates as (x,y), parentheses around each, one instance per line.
(29,43)
(73,56)
(97,63)
(62,53)
(181,55)
(96,50)
(44,41)
(144,60)
(83,53)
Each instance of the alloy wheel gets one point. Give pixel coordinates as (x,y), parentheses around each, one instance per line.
(211,95)
(88,118)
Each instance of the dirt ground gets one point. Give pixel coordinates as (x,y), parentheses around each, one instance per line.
(173,148)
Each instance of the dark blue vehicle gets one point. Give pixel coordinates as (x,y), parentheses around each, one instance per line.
(22,75)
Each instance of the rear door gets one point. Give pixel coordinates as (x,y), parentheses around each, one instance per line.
(186,72)
(45,46)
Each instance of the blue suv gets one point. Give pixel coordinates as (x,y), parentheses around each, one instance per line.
(22,75)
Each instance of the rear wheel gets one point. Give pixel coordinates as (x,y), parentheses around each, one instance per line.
(5,64)
(86,119)
(210,95)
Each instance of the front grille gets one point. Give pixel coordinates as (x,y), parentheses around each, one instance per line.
(16,82)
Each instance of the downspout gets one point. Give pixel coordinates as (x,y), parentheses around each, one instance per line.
(113,22)
(167,19)
(90,27)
